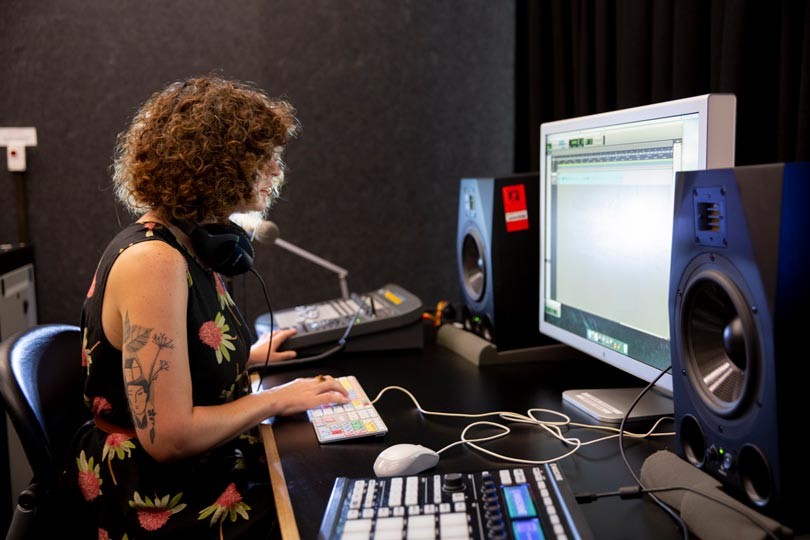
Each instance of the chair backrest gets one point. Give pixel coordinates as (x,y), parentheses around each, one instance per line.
(40,382)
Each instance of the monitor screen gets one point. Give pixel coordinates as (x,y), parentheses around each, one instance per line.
(607,207)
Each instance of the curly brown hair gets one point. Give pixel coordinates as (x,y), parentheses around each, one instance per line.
(193,150)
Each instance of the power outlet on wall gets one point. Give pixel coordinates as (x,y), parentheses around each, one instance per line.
(15,139)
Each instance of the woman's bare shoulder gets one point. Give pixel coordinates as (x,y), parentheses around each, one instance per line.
(146,259)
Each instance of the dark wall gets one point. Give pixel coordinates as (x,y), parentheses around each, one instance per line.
(398,101)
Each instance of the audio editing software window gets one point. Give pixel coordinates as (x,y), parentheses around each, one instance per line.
(610,209)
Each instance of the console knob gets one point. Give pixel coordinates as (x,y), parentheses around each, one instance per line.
(495,530)
(495,524)
(728,462)
(493,513)
(453,482)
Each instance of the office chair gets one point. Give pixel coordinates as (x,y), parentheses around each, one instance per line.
(40,382)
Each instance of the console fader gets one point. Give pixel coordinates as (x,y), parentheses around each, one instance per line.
(519,503)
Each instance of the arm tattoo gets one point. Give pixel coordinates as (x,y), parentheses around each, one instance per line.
(140,385)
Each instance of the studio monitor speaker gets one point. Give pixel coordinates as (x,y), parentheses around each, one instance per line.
(738,315)
(497,251)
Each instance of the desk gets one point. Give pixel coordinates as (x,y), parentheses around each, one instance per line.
(443,381)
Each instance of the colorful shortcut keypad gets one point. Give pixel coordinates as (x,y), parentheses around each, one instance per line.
(358,418)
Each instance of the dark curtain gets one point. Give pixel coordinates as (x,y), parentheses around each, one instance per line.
(578,57)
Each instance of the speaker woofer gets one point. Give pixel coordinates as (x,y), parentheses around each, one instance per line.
(719,340)
(473,267)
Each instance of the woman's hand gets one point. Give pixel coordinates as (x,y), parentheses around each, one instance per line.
(258,351)
(307,393)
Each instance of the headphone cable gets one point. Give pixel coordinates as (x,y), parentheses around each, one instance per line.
(341,344)
(270,337)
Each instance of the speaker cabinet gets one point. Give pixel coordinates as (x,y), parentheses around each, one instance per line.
(497,251)
(738,313)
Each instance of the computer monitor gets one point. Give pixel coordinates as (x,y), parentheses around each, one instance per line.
(607,203)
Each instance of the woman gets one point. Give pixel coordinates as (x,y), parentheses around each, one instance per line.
(171,452)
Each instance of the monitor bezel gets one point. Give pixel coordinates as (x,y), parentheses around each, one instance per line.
(716,115)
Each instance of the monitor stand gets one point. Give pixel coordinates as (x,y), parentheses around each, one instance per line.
(609,405)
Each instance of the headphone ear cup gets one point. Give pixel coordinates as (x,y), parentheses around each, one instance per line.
(225,248)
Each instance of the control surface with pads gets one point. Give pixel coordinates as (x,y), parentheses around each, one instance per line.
(404,459)
(513,504)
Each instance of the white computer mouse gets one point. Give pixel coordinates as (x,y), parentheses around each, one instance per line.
(404,460)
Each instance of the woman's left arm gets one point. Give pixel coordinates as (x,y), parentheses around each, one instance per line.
(258,351)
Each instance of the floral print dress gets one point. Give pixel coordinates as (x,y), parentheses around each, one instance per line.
(224,493)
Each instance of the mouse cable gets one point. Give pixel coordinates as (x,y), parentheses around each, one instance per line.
(552,427)
(553,430)
(530,418)
(635,492)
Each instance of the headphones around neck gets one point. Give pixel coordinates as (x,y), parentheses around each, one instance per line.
(224,247)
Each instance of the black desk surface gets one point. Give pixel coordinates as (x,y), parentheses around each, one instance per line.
(443,381)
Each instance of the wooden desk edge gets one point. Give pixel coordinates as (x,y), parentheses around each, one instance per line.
(286,517)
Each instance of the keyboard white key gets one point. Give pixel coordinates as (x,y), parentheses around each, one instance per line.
(358,418)
(395,492)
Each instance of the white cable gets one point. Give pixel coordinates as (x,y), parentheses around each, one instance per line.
(552,427)
(471,442)
(504,433)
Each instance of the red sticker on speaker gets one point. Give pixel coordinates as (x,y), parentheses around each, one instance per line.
(514,208)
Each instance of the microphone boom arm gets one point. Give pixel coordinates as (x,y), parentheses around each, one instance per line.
(341,272)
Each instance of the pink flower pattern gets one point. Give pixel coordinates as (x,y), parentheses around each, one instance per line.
(92,288)
(213,333)
(154,514)
(101,405)
(117,445)
(228,504)
(89,477)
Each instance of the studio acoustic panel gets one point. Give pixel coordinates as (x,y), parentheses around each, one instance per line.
(738,313)
(497,250)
